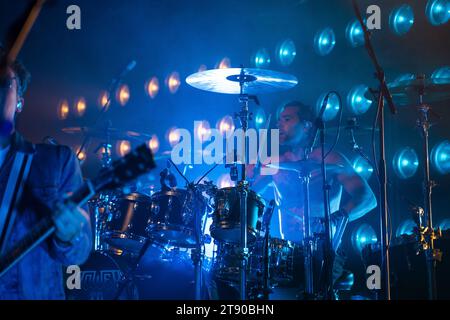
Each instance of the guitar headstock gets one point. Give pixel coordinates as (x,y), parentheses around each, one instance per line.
(126,169)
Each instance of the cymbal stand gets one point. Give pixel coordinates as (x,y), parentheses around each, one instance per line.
(427,232)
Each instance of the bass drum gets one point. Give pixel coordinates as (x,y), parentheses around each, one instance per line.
(99,279)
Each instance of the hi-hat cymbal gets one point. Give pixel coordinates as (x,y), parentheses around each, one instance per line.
(407,92)
(108,133)
(254,81)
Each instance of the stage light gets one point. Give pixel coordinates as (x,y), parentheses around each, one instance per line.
(362,167)
(63,110)
(438,11)
(224,64)
(286,52)
(401,19)
(80,155)
(202,130)
(153,143)
(123,147)
(260,118)
(440,157)
(354,34)
(356,100)
(324,41)
(261,59)
(152,87)
(441,75)
(103,99)
(80,106)
(332,107)
(173,136)
(173,82)
(405,228)
(405,163)
(444,224)
(225,125)
(225,181)
(123,95)
(362,236)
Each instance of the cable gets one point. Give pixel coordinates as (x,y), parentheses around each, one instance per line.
(341,107)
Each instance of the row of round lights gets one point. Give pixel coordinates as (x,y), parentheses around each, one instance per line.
(123,94)
(401,20)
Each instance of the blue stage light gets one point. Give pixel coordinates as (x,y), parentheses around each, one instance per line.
(441,75)
(356,100)
(362,167)
(286,52)
(438,11)
(362,236)
(401,19)
(260,118)
(405,228)
(324,41)
(331,109)
(405,163)
(261,59)
(354,34)
(440,157)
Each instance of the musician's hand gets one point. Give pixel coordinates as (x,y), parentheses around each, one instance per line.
(69,221)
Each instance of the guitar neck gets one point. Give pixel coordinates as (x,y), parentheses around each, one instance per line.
(41,231)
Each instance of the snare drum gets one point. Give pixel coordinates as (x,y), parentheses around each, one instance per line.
(126,223)
(175,217)
(226,218)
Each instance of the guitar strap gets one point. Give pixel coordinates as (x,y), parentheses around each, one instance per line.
(14,188)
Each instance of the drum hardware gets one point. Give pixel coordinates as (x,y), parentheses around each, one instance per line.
(246,83)
(130,274)
(427,233)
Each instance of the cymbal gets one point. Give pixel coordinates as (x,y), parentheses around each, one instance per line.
(407,92)
(255,81)
(303,167)
(108,133)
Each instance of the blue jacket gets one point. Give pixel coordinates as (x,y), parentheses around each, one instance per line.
(54,172)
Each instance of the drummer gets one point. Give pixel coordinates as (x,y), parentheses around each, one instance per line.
(350,195)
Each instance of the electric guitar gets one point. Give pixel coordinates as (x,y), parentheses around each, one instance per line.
(122,171)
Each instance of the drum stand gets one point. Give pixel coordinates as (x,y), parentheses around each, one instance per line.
(244,117)
(130,275)
(308,240)
(427,233)
(103,200)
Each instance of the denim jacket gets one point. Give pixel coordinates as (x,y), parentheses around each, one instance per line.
(54,172)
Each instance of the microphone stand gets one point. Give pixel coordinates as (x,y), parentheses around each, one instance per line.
(382,94)
(328,254)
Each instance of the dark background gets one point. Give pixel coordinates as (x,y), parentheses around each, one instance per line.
(165,36)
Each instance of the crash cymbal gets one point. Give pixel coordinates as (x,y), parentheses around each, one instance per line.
(254,81)
(303,166)
(108,133)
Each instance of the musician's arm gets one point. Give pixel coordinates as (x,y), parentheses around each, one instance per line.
(362,199)
(76,249)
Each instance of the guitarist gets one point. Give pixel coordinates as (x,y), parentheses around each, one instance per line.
(32,179)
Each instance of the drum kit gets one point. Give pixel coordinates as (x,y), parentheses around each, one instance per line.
(245,256)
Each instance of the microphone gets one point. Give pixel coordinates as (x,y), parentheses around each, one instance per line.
(318,121)
(130,66)
(116,81)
